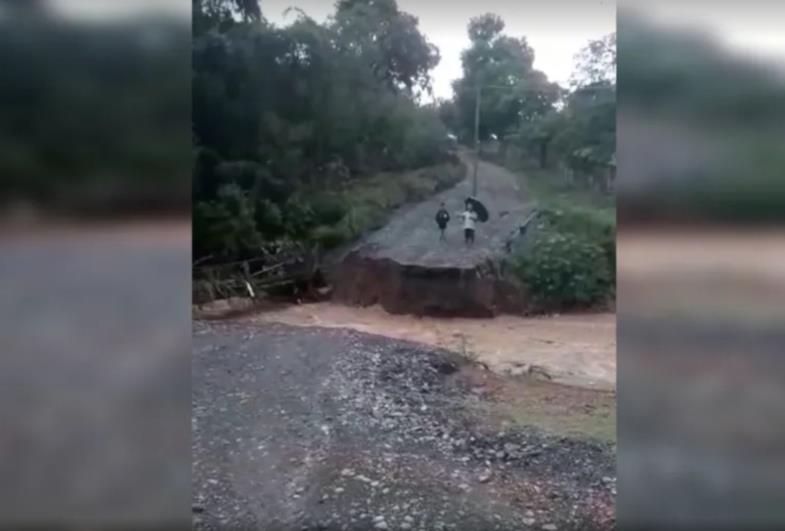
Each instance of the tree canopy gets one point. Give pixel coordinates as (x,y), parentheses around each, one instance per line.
(518,103)
(279,110)
(512,91)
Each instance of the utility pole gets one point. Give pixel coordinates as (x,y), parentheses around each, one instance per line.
(476,138)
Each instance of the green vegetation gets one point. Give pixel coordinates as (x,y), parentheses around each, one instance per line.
(339,217)
(564,141)
(314,133)
(708,128)
(93,117)
(318,215)
(568,259)
(308,132)
(536,122)
(551,408)
(564,267)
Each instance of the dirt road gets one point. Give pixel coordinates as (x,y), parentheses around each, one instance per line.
(316,428)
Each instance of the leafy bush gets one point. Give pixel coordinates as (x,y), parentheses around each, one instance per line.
(329,236)
(361,219)
(418,186)
(328,209)
(226,226)
(269,218)
(564,270)
(590,224)
(299,218)
(569,259)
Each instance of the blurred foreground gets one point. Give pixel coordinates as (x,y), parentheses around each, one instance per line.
(701,378)
(700,278)
(95,396)
(94,116)
(95,401)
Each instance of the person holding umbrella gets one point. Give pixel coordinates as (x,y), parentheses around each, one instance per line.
(469,218)
(474,211)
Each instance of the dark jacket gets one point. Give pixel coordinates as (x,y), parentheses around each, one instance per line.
(442,217)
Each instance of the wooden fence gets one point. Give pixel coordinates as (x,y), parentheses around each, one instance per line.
(256,277)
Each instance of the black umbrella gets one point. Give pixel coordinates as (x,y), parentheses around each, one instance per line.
(477,206)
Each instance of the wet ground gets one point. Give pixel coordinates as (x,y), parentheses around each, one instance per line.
(319,428)
(576,349)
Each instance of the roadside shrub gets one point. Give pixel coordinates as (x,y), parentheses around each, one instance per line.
(329,237)
(563,270)
(328,209)
(592,225)
(269,218)
(418,186)
(299,218)
(384,192)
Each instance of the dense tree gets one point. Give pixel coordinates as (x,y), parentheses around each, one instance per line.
(209,14)
(596,63)
(588,135)
(520,105)
(582,133)
(512,91)
(282,111)
(388,40)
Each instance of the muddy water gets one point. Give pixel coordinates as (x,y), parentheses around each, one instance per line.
(573,349)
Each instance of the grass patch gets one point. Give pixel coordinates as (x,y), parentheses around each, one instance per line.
(364,205)
(554,409)
(551,188)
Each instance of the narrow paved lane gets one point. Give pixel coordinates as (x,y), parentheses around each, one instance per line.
(412,238)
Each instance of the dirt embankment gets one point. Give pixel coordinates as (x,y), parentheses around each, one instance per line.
(425,290)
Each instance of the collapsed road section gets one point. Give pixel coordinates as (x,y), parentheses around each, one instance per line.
(406,268)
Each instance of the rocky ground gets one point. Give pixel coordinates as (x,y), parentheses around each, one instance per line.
(313,428)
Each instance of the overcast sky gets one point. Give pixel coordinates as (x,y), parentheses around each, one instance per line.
(556,30)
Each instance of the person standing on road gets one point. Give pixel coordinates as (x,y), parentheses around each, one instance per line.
(469,218)
(442,218)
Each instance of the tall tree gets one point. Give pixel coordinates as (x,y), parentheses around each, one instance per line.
(388,40)
(595,63)
(512,91)
(587,137)
(208,14)
(280,112)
